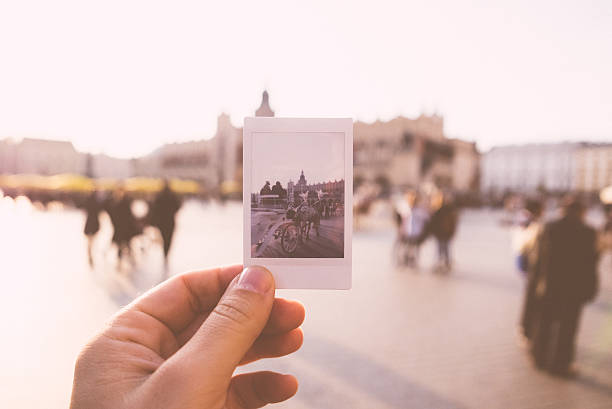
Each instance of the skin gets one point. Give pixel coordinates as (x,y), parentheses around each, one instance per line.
(178,346)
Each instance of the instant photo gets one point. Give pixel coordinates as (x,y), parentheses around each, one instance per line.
(297,190)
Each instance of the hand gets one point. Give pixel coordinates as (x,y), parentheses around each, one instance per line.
(178,346)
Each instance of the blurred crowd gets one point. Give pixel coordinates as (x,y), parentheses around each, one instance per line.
(559,259)
(556,250)
(132,213)
(419,216)
(129,221)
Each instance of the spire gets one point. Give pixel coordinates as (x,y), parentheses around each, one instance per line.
(302,180)
(264,109)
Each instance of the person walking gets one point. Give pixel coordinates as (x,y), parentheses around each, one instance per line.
(92,222)
(401,213)
(163,212)
(412,221)
(419,217)
(119,208)
(527,250)
(527,231)
(565,279)
(605,240)
(442,225)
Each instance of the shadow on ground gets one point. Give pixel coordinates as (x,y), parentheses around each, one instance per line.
(369,377)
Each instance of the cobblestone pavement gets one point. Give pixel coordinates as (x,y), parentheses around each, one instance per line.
(398,339)
(326,240)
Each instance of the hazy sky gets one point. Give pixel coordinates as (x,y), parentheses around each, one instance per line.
(280,156)
(125,76)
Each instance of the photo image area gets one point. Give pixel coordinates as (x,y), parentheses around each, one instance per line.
(297,195)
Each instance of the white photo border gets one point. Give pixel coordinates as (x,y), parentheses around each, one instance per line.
(301,273)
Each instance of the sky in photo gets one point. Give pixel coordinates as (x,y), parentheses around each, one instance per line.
(124,76)
(282,156)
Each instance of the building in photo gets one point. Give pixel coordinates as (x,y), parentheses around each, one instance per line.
(290,193)
(297,194)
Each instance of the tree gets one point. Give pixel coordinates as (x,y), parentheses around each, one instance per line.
(266,189)
(277,189)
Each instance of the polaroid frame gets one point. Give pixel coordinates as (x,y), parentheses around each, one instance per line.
(301,273)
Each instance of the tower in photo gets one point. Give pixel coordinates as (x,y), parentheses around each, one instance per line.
(290,198)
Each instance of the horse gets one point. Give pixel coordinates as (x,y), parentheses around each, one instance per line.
(306,216)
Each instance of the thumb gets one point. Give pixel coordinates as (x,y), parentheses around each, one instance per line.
(232,327)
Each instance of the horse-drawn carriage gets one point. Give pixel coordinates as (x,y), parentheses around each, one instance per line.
(297,227)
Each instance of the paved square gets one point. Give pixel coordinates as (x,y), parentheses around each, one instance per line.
(398,339)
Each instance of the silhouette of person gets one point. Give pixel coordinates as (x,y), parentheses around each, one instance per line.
(605,240)
(442,225)
(119,209)
(92,222)
(163,212)
(413,225)
(527,259)
(565,279)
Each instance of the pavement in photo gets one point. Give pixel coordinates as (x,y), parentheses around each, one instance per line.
(328,242)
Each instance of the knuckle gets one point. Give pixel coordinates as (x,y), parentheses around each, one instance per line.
(234,310)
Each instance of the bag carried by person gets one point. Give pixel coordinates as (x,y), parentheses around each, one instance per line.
(522,263)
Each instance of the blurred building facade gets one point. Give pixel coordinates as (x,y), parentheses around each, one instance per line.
(7,156)
(211,162)
(403,152)
(554,167)
(41,157)
(529,168)
(593,167)
(52,157)
(184,160)
(408,152)
(207,161)
(104,166)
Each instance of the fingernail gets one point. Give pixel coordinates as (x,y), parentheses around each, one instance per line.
(256,279)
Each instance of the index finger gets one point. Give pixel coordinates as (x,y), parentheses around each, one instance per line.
(179,300)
